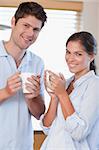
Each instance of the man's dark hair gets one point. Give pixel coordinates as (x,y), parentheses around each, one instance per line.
(30,8)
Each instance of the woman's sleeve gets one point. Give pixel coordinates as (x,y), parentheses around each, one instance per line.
(80,124)
(44,128)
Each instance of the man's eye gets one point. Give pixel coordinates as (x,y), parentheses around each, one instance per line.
(26,25)
(36,29)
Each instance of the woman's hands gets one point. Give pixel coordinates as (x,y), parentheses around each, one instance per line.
(57,83)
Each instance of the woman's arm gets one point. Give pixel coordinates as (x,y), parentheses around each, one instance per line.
(66,105)
(51,113)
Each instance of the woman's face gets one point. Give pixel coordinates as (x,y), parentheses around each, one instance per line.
(77,59)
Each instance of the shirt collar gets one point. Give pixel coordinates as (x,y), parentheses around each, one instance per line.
(27,58)
(26,61)
(84,78)
(69,81)
(3,52)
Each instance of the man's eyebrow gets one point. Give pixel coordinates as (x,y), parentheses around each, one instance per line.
(34,28)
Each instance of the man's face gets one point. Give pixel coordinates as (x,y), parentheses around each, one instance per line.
(25,31)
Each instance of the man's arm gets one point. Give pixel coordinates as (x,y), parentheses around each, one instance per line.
(3,95)
(36,106)
(34,100)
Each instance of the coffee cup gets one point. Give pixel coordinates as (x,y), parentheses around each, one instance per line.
(24,77)
(48,74)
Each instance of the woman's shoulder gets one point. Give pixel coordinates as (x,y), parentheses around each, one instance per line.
(94,79)
(93,82)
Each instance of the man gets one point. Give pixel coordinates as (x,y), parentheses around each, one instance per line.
(16,107)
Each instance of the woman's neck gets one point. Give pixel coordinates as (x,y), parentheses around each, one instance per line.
(80,74)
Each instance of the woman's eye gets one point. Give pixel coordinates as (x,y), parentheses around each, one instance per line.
(78,54)
(67,52)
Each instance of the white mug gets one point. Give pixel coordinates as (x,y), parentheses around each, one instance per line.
(48,81)
(24,77)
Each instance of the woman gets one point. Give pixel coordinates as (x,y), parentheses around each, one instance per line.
(72,119)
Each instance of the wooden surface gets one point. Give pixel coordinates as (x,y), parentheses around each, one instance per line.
(51,4)
(38,139)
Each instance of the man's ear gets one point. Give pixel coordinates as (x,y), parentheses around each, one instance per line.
(13,22)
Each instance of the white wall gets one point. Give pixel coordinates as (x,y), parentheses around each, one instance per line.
(91,21)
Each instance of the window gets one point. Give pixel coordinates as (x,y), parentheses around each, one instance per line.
(50,44)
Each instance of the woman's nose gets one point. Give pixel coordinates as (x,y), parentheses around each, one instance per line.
(71,57)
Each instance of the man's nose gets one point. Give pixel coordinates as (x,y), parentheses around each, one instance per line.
(30,31)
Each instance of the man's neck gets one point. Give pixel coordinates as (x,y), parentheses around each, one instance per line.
(15,52)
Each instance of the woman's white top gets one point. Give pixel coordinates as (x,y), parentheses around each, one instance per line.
(80,131)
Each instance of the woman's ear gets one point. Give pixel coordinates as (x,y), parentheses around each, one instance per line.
(92,57)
